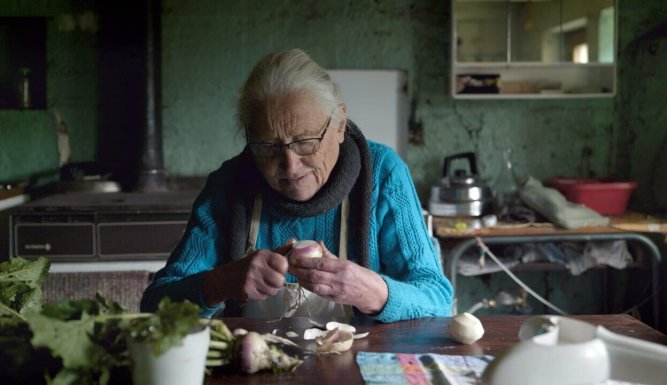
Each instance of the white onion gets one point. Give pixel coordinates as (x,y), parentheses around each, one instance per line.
(307,248)
(466,328)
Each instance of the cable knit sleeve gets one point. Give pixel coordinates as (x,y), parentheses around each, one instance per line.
(195,254)
(408,262)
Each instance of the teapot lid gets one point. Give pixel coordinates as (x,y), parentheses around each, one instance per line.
(463,179)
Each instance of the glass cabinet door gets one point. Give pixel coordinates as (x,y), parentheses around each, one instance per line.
(587,31)
(481,31)
(532,25)
(528,48)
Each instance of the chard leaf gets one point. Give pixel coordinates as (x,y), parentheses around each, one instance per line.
(20,284)
(167,327)
(84,333)
(75,377)
(68,340)
(18,269)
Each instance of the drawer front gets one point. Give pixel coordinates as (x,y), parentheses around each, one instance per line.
(54,240)
(139,239)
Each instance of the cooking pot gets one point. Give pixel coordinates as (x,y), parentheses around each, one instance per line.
(87,177)
(460,192)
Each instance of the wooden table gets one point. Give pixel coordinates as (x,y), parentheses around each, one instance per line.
(628,222)
(428,335)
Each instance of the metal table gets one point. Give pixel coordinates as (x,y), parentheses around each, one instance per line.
(468,241)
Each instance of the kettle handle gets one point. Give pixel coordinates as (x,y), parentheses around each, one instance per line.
(470,156)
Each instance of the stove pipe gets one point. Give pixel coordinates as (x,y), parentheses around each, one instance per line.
(152,176)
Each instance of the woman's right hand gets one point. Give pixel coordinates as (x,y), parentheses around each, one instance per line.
(257,276)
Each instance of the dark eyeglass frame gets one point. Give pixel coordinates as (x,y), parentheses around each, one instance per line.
(276,148)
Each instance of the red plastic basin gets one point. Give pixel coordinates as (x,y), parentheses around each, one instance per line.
(607,197)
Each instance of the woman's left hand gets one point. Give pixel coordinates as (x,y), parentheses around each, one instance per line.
(341,281)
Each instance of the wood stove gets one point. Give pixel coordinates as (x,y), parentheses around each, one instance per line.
(100,226)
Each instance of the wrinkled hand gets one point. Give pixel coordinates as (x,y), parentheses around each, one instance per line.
(341,281)
(255,277)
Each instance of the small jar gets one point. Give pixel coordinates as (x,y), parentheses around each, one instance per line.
(505,187)
(24,88)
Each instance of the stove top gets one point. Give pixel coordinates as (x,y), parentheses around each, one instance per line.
(94,226)
(174,201)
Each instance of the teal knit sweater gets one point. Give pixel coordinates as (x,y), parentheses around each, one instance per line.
(400,249)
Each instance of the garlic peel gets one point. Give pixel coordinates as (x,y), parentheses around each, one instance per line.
(341,326)
(335,341)
(361,335)
(312,333)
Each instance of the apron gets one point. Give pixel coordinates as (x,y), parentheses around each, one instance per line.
(292,300)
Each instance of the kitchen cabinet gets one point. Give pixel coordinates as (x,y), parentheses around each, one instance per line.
(533,48)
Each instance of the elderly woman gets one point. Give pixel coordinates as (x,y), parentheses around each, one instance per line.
(306,173)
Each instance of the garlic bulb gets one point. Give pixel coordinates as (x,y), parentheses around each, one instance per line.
(466,328)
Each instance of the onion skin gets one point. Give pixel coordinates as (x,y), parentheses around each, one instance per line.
(307,248)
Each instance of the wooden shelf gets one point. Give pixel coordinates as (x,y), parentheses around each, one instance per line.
(532,80)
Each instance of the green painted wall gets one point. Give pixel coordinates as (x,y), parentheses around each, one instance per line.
(28,138)
(210,46)
(642,124)
(209,50)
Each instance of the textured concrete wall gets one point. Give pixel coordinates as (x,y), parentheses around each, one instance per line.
(642,124)
(210,46)
(28,142)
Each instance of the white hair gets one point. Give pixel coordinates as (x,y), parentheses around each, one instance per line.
(281,73)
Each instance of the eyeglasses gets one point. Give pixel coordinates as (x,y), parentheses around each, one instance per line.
(300,147)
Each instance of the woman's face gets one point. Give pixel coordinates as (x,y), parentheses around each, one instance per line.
(289,118)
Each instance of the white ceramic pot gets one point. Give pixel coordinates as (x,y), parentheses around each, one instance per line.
(180,365)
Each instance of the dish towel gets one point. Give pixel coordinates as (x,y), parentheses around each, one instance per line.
(425,369)
(552,204)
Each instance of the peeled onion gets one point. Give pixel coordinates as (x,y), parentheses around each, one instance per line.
(306,248)
(466,328)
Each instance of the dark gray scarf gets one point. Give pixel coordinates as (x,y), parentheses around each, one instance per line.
(352,174)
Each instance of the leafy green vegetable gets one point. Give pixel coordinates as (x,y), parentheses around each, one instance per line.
(21,363)
(221,347)
(20,292)
(20,286)
(85,335)
(67,310)
(167,327)
(83,342)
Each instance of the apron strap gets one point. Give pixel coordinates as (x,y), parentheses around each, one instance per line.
(251,243)
(342,244)
(254,224)
(344,214)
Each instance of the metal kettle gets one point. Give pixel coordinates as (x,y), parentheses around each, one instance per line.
(461,193)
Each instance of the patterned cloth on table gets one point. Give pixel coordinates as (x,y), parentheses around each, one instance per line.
(425,369)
